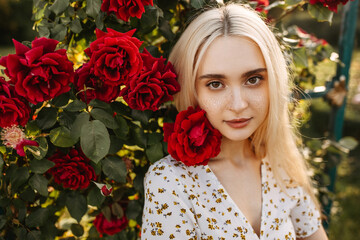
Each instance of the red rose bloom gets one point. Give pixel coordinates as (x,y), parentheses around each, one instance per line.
(192,140)
(115,56)
(114,226)
(39,73)
(155,85)
(261,4)
(87,83)
(14,110)
(124,9)
(331,4)
(72,170)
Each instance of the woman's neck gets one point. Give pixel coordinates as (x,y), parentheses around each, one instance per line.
(236,153)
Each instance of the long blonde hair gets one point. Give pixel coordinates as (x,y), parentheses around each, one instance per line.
(275,138)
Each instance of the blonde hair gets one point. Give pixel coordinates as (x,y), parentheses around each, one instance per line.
(275,138)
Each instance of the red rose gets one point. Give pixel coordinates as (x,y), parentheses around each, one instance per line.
(155,85)
(105,191)
(115,56)
(114,226)
(261,4)
(39,73)
(87,83)
(14,110)
(124,9)
(331,4)
(72,170)
(192,140)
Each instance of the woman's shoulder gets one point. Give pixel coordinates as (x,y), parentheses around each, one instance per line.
(168,169)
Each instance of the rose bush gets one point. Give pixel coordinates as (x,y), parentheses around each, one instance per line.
(191,139)
(124,9)
(88,86)
(39,73)
(331,4)
(155,85)
(115,56)
(72,170)
(112,226)
(14,110)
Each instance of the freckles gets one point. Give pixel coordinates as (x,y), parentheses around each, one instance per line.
(211,103)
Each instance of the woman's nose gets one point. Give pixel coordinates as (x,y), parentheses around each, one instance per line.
(237,100)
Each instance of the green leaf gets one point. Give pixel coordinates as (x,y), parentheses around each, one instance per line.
(99,21)
(154,152)
(150,18)
(32,129)
(79,122)
(93,7)
(19,177)
(39,183)
(28,195)
(320,12)
(154,138)
(33,235)
(95,198)
(292,2)
(115,144)
(37,218)
(3,221)
(77,229)
(137,135)
(349,143)
(300,57)
(67,118)
(58,32)
(95,140)
(105,117)
(1,164)
(120,108)
(61,137)
(133,209)
(115,168)
(123,129)
(165,30)
(40,151)
(61,100)
(59,6)
(75,26)
(76,204)
(142,116)
(75,106)
(117,210)
(197,3)
(41,166)
(46,117)
(96,103)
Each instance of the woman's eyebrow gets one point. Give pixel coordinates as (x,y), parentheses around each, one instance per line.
(252,72)
(222,76)
(211,75)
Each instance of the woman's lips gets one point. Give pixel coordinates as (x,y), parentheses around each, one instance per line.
(238,123)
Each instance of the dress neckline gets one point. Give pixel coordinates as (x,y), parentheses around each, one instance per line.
(241,214)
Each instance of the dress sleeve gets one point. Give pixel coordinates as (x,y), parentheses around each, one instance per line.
(168,213)
(305,216)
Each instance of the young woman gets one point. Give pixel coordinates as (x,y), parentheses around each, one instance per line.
(255,186)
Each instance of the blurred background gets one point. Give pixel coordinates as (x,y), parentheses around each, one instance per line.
(16,23)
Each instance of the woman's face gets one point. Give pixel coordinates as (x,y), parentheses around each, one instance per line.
(232,87)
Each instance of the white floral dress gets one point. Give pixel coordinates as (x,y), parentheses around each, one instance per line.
(190,203)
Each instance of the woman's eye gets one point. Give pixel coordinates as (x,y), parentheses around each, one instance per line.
(214,85)
(254,80)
